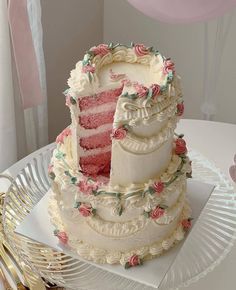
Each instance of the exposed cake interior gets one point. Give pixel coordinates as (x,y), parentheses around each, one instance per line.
(97,114)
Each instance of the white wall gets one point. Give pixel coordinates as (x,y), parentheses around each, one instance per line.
(184,44)
(70,28)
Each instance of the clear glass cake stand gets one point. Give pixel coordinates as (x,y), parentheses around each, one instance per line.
(208,243)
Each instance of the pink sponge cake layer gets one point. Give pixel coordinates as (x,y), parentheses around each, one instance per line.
(100,140)
(93,121)
(89,102)
(94,165)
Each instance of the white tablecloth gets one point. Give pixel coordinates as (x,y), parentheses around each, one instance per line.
(216,141)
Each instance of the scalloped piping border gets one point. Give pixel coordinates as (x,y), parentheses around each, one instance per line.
(135,144)
(102,256)
(129,228)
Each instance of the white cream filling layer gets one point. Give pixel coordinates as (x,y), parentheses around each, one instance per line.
(90,132)
(99,109)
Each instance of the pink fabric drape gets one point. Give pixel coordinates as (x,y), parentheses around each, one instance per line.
(24,54)
(183,11)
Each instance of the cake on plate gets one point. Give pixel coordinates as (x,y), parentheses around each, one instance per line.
(119,170)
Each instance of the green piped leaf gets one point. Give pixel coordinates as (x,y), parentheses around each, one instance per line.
(118,195)
(52,175)
(73,180)
(72,100)
(149,95)
(116,45)
(163,206)
(110,45)
(134,193)
(94,192)
(90,77)
(132,96)
(178,173)
(127,127)
(55,232)
(85,62)
(90,53)
(77,204)
(189,175)
(100,192)
(151,190)
(146,214)
(144,193)
(67,173)
(88,56)
(151,49)
(163,88)
(127,265)
(120,210)
(94,211)
(170,77)
(66,92)
(183,156)
(60,155)
(115,194)
(125,95)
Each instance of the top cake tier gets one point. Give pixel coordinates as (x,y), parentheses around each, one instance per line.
(124,102)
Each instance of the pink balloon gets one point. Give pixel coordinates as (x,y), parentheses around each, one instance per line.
(183,11)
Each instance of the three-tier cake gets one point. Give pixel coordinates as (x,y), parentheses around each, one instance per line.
(119,171)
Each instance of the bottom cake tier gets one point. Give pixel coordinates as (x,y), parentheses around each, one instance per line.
(113,243)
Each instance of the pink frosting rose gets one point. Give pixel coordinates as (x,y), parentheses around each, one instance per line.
(180,109)
(157,213)
(65,133)
(86,187)
(186,224)
(158,186)
(156,89)
(140,50)
(134,260)
(119,133)
(88,68)
(141,90)
(168,66)
(50,168)
(68,102)
(101,49)
(180,146)
(85,210)
(62,236)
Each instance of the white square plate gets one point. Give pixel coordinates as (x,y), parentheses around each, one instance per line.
(38,227)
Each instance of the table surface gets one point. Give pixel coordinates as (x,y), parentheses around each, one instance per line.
(216,141)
